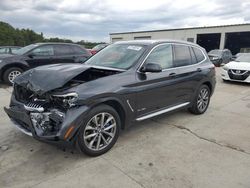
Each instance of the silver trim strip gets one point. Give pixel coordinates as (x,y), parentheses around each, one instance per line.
(72,94)
(32,109)
(20,129)
(171,43)
(130,106)
(162,111)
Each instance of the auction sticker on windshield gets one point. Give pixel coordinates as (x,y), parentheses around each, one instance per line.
(137,48)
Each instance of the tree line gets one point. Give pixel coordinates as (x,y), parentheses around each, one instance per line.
(10,36)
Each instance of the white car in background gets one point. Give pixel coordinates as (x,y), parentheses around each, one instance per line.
(237,70)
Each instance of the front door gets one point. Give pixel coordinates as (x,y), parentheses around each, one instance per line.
(157,90)
(41,55)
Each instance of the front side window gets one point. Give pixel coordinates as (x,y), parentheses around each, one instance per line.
(43,51)
(120,56)
(162,55)
(182,56)
(25,49)
(13,50)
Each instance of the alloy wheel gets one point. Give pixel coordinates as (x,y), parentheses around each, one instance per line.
(99,131)
(13,74)
(203,99)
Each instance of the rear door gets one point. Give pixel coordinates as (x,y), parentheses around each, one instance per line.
(63,53)
(80,54)
(42,55)
(190,72)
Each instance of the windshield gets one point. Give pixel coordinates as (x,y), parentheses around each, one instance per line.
(120,56)
(243,58)
(215,52)
(25,49)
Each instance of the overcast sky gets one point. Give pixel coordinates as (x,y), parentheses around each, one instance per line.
(93,20)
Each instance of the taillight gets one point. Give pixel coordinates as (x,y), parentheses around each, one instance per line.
(93,52)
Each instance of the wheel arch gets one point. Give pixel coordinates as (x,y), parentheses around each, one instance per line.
(207,83)
(17,64)
(118,105)
(119,108)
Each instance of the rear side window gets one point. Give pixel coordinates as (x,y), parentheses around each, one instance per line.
(199,55)
(63,50)
(182,56)
(79,50)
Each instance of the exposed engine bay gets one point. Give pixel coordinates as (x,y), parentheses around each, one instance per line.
(89,75)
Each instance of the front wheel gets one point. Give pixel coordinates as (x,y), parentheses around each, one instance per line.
(201,100)
(100,131)
(10,74)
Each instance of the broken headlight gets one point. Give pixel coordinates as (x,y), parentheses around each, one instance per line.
(68,99)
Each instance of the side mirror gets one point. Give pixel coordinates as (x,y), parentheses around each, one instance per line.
(151,67)
(31,55)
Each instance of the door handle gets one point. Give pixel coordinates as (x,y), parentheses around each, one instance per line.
(199,70)
(172,74)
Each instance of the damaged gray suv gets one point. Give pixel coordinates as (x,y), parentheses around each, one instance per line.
(88,104)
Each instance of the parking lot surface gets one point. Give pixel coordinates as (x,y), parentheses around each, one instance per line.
(175,150)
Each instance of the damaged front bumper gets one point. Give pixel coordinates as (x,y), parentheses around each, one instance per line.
(50,125)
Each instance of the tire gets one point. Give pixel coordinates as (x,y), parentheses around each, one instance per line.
(89,134)
(10,74)
(201,101)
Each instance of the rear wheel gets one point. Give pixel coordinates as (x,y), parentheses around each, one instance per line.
(100,131)
(201,100)
(10,74)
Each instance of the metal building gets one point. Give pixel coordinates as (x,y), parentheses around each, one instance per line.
(233,37)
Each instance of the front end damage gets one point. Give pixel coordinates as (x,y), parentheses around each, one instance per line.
(46,106)
(46,117)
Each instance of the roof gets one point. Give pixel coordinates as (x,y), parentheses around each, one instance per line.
(10,47)
(42,43)
(176,29)
(149,42)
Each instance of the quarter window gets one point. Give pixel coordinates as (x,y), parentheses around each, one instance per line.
(194,60)
(43,51)
(182,56)
(162,55)
(199,55)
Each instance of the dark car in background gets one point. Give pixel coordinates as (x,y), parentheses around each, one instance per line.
(9,49)
(98,48)
(34,55)
(131,81)
(219,57)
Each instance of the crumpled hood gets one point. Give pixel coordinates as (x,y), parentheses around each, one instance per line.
(49,77)
(238,65)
